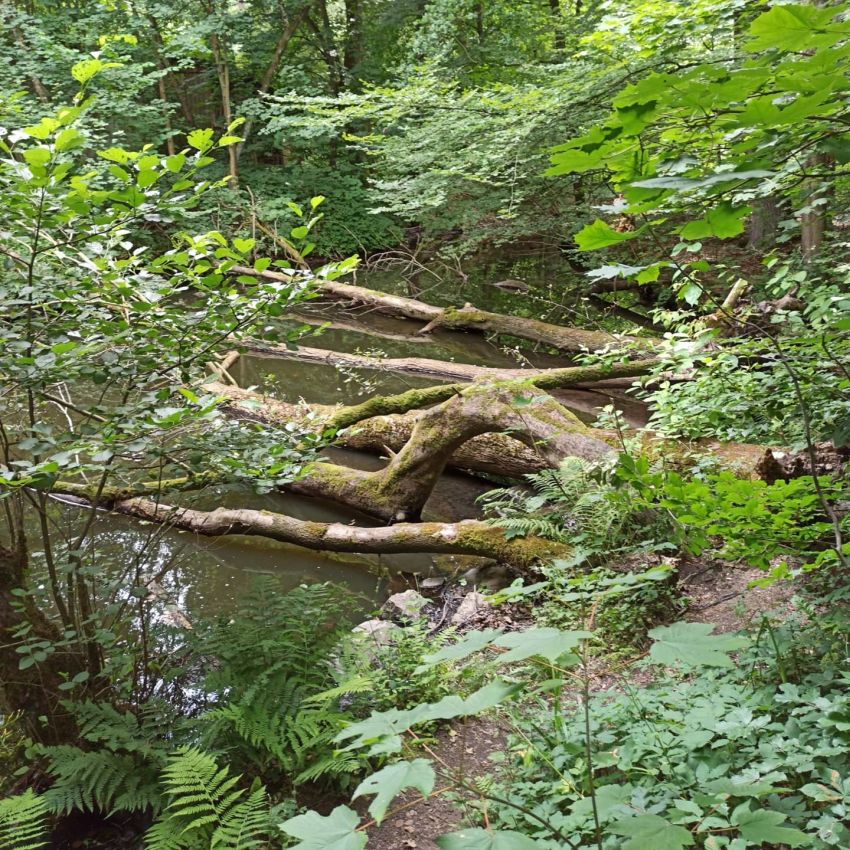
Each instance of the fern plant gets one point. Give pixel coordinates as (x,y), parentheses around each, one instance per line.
(23,820)
(266,666)
(117,766)
(573,503)
(206,811)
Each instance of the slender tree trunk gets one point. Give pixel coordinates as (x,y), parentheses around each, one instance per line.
(222,67)
(290,28)
(559,41)
(813,220)
(37,86)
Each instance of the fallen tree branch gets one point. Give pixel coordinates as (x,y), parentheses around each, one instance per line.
(468,318)
(467,537)
(449,370)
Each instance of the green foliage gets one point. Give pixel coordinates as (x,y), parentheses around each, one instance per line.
(269,673)
(22,822)
(745,520)
(570,504)
(118,766)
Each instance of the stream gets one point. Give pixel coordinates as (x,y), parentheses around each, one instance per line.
(205,575)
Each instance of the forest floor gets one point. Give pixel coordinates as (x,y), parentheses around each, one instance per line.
(717,593)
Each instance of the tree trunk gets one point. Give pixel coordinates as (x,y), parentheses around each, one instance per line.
(222,68)
(764,224)
(813,220)
(286,35)
(34,691)
(498,454)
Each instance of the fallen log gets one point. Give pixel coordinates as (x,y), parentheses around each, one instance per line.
(497,454)
(443,370)
(468,318)
(467,537)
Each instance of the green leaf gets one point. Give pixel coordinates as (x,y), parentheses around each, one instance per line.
(471,642)
(602,235)
(389,782)
(762,827)
(693,643)
(243,246)
(83,71)
(789,27)
(299,232)
(200,139)
(723,222)
(226,141)
(481,839)
(334,832)
(548,643)
(175,163)
(651,832)
(37,156)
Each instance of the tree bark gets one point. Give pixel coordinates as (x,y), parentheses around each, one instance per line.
(571,340)
(286,35)
(499,454)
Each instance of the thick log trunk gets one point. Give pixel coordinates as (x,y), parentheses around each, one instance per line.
(498,454)
(399,491)
(469,318)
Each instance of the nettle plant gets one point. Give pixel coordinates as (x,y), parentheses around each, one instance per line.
(109,332)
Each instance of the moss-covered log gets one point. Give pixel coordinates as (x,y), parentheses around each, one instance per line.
(492,453)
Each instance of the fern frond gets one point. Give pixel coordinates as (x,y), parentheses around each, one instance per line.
(244,825)
(207,810)
(22,822)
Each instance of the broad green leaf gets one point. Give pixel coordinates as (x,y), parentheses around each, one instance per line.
(547,643)
(37,156)
(789,27)
(83,71)
(389,782)
(175,163)
(334,832)
(481,839)
(693,643)
(382,730)
(763,827)
(243,246)
(651,832)
(471,642)
(200,139)
(723,222)
(601,235)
